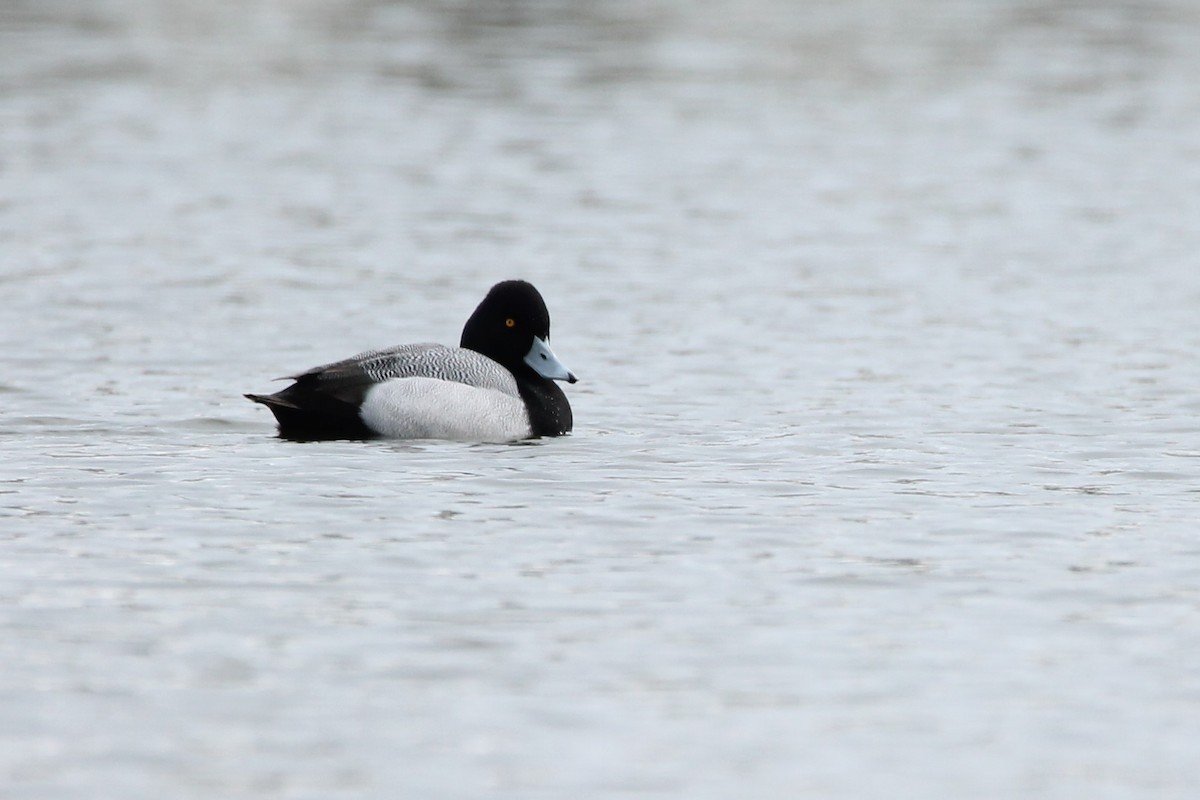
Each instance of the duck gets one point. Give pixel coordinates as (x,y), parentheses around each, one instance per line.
(498,385)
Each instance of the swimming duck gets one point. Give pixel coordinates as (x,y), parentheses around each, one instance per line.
(497,385)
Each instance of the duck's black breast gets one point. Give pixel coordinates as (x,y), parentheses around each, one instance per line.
(549,411)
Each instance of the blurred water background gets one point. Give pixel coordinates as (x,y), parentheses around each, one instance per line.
(886,474)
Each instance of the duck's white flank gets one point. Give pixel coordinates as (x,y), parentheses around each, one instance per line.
(429,408)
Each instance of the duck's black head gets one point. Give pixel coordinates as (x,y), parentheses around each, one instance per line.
(512,327)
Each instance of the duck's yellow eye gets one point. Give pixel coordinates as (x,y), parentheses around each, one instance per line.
(510,323)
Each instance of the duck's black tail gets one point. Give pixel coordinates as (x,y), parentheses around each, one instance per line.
(307,415)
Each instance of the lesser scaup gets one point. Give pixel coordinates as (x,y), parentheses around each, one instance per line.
(497,385)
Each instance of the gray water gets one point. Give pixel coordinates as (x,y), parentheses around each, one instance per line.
(886,471)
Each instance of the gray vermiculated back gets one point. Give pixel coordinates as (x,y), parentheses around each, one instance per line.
(427,360)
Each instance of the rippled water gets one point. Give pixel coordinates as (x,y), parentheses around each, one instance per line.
(886,471)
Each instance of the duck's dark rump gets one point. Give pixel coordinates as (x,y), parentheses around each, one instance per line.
(320,406)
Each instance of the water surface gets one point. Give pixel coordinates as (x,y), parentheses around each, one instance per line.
(885,475)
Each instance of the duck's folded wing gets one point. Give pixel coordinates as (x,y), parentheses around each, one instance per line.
(349,379)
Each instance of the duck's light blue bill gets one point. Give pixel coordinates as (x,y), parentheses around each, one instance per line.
(545,363)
